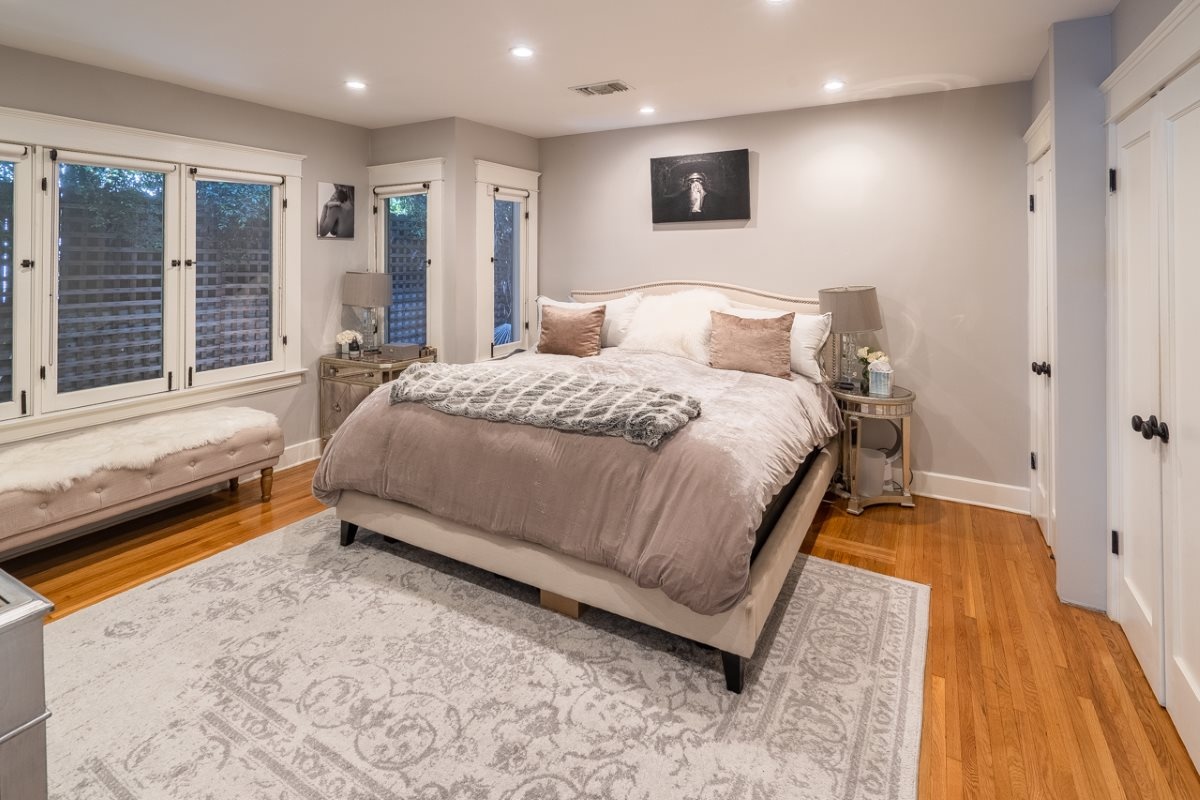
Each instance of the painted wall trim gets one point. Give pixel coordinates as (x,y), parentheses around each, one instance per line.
(35,128)
(1170,49)
(23,428)
(971,491)
(1040,134)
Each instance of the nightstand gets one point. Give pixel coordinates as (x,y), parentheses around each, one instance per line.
(346,382)
(856,407)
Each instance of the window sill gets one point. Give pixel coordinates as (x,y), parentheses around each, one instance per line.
(29,427)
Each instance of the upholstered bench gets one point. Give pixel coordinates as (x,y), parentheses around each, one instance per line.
(58,487)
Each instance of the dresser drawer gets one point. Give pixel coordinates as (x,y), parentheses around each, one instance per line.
(23,765)
(338,399)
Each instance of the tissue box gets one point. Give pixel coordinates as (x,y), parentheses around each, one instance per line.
(400,351)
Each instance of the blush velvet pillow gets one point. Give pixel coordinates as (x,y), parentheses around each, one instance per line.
(570,331)
(752,345)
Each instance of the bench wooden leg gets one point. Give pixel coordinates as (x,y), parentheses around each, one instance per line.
(233,484)
(563,605)
(349,531)
(267,480)
(735,672)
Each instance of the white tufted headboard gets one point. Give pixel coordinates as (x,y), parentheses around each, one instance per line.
(740,295)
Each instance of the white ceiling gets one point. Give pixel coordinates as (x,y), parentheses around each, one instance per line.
(428,59)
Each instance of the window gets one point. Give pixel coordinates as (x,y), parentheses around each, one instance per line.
(110,315)
(232,281)
(506,225)
(133,282)
(506,269)
(7,280)
(406,242)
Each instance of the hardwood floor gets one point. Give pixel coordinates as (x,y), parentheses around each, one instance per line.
(1024,697)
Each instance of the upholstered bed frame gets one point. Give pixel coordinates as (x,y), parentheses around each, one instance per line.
(566,582)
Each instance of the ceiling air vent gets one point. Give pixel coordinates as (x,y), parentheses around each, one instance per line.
(607,87)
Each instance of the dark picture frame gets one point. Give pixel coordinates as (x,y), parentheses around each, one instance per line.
(701,187)
(335,210)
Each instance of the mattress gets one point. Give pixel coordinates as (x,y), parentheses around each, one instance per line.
(682,518)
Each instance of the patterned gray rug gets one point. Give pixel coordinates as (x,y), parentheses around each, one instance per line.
(289,668)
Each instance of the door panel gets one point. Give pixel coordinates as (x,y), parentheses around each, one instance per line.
(1141,591)
(1180,106)
(1041,300)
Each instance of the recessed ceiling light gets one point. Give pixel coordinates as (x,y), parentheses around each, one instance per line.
(834,86)
(522,51)
(647,109)
(356,85)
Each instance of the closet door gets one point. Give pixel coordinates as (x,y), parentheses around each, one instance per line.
(1041,298)
(1179,109)
(1140,600)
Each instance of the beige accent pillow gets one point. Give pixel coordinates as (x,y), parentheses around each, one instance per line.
(571,332)
(752,345)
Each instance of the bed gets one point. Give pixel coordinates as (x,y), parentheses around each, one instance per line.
(695,537)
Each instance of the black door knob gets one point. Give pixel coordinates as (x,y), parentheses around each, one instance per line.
(1150,428)
(1037,368)
(1045,369)
(1137,423)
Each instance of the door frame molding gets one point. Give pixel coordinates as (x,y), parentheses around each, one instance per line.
(394,176)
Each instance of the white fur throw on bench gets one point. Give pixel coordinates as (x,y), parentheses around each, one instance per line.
(54,464)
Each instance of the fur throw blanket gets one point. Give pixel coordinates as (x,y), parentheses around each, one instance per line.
(53,464)
(565,401)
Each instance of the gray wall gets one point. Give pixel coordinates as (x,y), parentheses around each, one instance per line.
(1132,21)
(1040,89)
(921,196)
(335,153)
(1082,60)
(460,142)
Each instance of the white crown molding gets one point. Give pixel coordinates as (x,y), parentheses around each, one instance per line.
(971,491)
(1170,49)
(426,170)
(50,130)
(508,177)
(1040,134)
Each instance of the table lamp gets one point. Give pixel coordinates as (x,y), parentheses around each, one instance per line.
(371,290)
(854,310)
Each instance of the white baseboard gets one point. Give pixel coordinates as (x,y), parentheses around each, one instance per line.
(299,453)
(293,456)
(971,491)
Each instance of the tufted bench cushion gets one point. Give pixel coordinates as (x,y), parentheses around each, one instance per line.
(32,519)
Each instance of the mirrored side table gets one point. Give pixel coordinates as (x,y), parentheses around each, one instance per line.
(856,407)
(23,712)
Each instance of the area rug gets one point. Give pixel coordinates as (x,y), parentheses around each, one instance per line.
(290,668)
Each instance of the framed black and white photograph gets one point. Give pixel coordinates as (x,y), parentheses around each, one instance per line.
(335,210)
(701,187)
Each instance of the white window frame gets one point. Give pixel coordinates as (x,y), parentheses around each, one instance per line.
(404,178)
(23,289)
(494,181)
(52,399)
(41,132)
(194,377)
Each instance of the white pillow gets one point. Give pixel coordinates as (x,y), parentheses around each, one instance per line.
(809,332)
(678,324)
(617,315)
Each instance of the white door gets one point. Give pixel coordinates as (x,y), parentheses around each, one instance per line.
(1179,105)
(1041,298)
(1140,599)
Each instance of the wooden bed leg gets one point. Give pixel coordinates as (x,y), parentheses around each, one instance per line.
(735,671)
(233,484)
(563,605)
(267,480)
(349,531)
